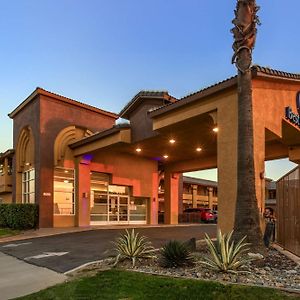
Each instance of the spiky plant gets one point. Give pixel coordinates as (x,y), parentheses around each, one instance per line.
(132,246)
(175,254)
(225,254)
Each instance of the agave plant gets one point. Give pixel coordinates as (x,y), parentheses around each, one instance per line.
(175,254)
(131,245)
(225,254)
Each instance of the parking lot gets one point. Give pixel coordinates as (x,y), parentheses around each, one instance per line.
(65,252)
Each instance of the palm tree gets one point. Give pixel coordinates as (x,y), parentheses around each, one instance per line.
(247,213)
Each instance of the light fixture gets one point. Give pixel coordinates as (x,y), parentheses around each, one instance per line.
(66,181)
(27,164)
(66,171)
(216,129)
(166,156)
(172,141)
(198,149)
(138,150)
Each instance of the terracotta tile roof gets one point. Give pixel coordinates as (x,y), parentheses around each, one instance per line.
(273,72)
(8,153)
(41,91)
(257,71)
(145,94)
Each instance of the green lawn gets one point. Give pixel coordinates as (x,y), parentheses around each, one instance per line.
(115,284)
(4,232)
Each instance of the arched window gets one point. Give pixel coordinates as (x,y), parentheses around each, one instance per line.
(64,173)
(25,167)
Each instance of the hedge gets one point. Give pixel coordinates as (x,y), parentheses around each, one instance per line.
(19,216)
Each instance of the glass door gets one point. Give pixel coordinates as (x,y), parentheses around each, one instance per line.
(123,209)
(118,209)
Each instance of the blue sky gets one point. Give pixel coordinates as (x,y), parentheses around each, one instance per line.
(103,52)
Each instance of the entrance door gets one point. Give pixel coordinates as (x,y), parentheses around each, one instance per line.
(118,209)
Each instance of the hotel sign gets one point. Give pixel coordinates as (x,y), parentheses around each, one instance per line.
(290,115)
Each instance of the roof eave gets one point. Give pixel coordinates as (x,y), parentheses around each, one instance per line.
(40,91)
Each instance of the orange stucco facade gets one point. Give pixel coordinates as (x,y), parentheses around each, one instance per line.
(68,137)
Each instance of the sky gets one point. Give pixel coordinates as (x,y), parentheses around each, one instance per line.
(103,52)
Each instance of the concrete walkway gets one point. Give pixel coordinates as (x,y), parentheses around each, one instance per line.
(18,278)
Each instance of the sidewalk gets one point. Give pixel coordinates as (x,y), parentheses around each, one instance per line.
(18,278)
(43,232)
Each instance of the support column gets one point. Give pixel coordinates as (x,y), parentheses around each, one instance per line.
(171,197)
(83,191)
(194,196)
(153,216)
(210,197)
(180,195)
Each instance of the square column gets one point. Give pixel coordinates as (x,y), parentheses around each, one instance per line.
(210,197)
(83,191)
(153,215)
(194,196)
(171,197)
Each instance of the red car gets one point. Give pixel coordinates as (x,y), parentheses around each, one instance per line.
(205,214)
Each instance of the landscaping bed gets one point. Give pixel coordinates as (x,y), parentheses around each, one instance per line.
(275,271)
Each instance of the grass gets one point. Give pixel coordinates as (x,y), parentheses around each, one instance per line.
(124,285)
(5,232)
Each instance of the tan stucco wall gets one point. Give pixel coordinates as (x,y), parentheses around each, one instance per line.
(63,221)
(225,104)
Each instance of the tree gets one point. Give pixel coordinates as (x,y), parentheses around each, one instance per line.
(247,213)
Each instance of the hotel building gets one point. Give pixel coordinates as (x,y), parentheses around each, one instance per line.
(81,168)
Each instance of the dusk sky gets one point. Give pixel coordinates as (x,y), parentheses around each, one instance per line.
(104,52)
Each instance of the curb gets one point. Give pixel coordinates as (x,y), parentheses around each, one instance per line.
(291,256)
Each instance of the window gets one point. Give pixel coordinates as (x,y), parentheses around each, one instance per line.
(64,199)
(1,169)
(28,186)
(9,166)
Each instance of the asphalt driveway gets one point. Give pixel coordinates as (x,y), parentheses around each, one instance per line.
(65,252)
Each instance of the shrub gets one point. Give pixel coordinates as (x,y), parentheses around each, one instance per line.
(19,216)
(133,246)
(225,254)
(175,254)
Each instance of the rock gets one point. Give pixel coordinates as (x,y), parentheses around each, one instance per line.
(255,256)
(291,272)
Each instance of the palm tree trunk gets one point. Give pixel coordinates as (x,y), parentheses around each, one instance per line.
(247,213)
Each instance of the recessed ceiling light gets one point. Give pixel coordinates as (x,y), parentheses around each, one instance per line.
(215,129)
(166,156)
(138,150)
(198,149)
(172,141)
(66,171)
